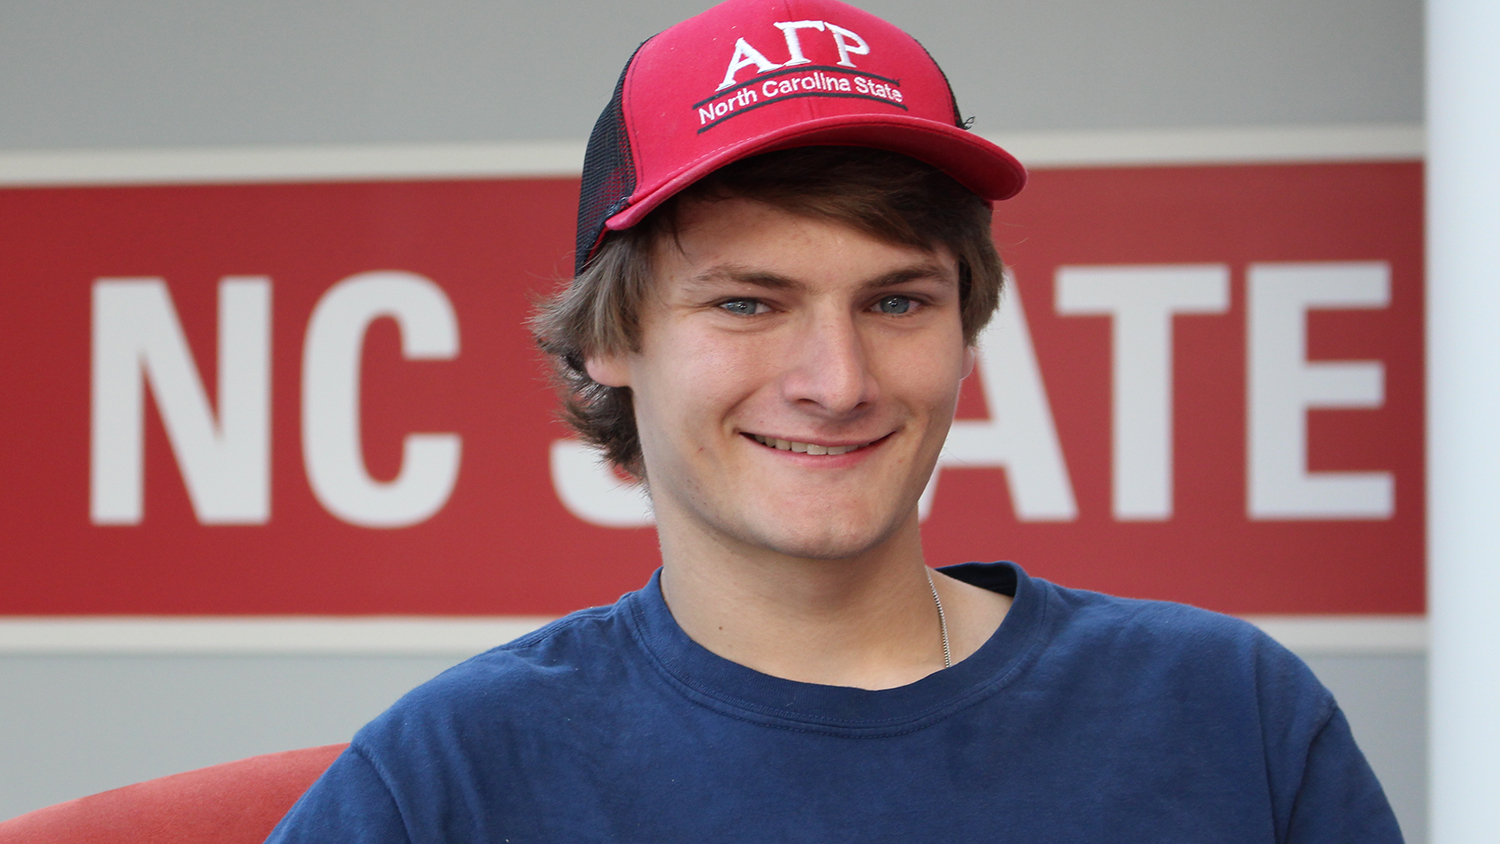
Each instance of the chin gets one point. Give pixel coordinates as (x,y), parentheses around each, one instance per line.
(824,540)
(828,525)
(830,548)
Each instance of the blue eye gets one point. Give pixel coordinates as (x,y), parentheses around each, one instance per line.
(894,305)
(742,307)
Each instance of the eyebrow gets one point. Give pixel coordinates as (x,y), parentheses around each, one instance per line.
(775,281)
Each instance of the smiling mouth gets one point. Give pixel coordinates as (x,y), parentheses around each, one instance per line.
(808,448)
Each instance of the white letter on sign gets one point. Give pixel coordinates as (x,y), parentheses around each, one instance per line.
(1142,301)
(331,356)
(1019,435)
(225,462)
(589,488)
(1283,386)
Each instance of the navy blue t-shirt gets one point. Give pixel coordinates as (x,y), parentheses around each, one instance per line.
(1085,718)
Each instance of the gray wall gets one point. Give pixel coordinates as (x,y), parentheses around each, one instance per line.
(155,72)
(164,73)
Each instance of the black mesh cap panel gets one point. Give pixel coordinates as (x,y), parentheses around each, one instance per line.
(958,116)
(608,173)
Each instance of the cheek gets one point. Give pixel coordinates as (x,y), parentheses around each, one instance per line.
(930,376)
(943,403)
(693,385)
(719,364)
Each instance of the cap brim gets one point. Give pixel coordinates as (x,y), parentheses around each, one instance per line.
(977,164)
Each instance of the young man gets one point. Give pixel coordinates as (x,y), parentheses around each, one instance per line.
(784,260)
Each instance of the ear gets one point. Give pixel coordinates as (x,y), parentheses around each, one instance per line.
(609,370)
(971,354)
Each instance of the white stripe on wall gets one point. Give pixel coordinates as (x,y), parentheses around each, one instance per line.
(1039,150)
(1239,145)
(260,635)
(1347,634)
(393,636)
(231,165)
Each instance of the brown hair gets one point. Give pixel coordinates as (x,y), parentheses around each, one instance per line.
(883,194)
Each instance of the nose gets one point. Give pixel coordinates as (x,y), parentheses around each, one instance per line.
(828,369)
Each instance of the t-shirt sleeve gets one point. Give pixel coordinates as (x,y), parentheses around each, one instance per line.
(1339,799)
(350,804)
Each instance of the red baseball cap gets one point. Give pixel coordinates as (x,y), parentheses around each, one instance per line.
(753,76)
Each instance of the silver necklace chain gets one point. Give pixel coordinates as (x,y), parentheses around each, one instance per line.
(942,619)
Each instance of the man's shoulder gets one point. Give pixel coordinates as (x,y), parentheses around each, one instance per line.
(567,650)
(1173,644)
(1178,646)
(1163,624)
(1092,616)
(552,669)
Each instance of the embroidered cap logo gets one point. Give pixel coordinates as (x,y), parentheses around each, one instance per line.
(797,76)
(745,55)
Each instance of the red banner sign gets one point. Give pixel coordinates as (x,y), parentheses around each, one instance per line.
(1205,385)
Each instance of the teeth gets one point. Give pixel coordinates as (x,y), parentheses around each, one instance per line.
(807,448)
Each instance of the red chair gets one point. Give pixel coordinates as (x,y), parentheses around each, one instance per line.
(234,803)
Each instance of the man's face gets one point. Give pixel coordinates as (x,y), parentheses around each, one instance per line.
(795,382)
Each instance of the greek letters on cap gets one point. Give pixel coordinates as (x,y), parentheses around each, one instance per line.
(799,75)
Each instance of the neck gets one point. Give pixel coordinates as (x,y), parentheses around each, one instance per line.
(867,621)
